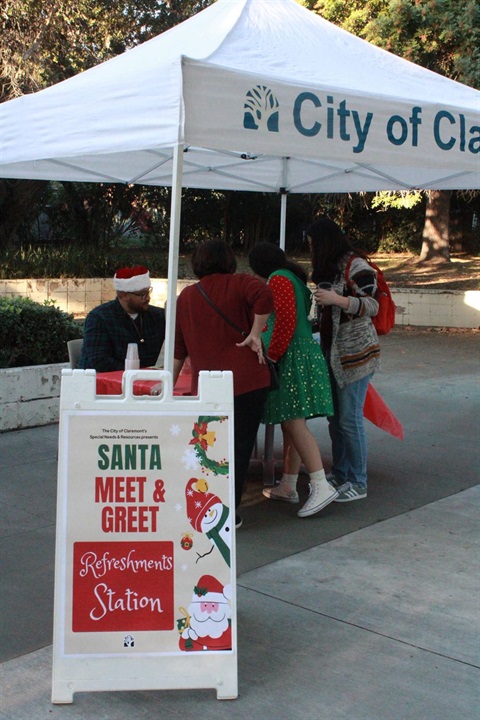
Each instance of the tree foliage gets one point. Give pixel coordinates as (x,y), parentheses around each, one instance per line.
(44,43)
(440,35)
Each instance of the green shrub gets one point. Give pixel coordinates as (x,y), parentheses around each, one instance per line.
(73,261)
(34,334)
(401,236)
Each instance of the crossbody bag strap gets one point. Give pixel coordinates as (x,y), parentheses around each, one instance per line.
(222,314)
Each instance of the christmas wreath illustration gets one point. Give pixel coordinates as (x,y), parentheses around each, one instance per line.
(202,439)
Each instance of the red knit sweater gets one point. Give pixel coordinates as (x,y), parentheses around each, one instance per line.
(210,341)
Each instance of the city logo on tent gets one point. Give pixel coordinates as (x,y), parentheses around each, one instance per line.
(261,109)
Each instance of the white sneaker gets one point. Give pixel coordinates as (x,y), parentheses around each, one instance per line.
(321,494)
(281,492)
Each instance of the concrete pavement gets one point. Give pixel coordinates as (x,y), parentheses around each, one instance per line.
(369,610)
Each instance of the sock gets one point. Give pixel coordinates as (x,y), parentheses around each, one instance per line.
(289,480)
(317,477)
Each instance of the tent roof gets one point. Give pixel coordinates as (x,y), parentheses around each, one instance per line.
(264,95)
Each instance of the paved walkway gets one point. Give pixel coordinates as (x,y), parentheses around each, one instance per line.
(368,611)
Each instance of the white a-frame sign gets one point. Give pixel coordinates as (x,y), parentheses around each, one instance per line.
(145,594)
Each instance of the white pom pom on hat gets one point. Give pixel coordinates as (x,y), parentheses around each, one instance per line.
(132,279)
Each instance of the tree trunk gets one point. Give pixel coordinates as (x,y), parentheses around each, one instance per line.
(80,214)
(16,200)
(436,240)
(227,216)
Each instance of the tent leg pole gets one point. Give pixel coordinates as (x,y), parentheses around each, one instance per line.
(283,219)
(174,241)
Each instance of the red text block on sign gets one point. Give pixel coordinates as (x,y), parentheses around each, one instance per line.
(122,586)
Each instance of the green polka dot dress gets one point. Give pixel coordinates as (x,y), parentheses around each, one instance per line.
(304,390)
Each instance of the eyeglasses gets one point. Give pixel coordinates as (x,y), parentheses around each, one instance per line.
(144,294)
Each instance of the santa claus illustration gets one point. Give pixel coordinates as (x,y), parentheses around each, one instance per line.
(207,625)
(207,514)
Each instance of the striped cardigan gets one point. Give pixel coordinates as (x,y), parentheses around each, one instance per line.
(355,350)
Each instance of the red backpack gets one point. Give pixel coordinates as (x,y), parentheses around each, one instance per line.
(385,318)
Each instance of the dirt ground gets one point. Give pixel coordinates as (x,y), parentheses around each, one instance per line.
(402,270)
(462,273)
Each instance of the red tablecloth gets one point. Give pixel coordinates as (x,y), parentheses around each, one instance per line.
(110,383)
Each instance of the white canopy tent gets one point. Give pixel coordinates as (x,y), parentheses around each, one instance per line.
(248,95)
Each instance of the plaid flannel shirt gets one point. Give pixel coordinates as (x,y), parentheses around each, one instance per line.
(109,329)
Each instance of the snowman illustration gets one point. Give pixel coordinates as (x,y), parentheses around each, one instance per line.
(208,515)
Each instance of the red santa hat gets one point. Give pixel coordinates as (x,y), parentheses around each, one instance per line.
(131,279)
(198,503)
(209,589)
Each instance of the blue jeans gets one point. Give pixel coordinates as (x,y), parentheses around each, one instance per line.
(347,431)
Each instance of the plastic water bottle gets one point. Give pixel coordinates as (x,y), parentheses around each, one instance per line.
(132,361)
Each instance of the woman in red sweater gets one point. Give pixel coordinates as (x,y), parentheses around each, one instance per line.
(213,344)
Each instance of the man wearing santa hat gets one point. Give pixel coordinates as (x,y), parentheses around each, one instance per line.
(208,623)
(130,318)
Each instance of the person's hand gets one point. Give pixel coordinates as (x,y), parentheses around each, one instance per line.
(255,345)
(325,297)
